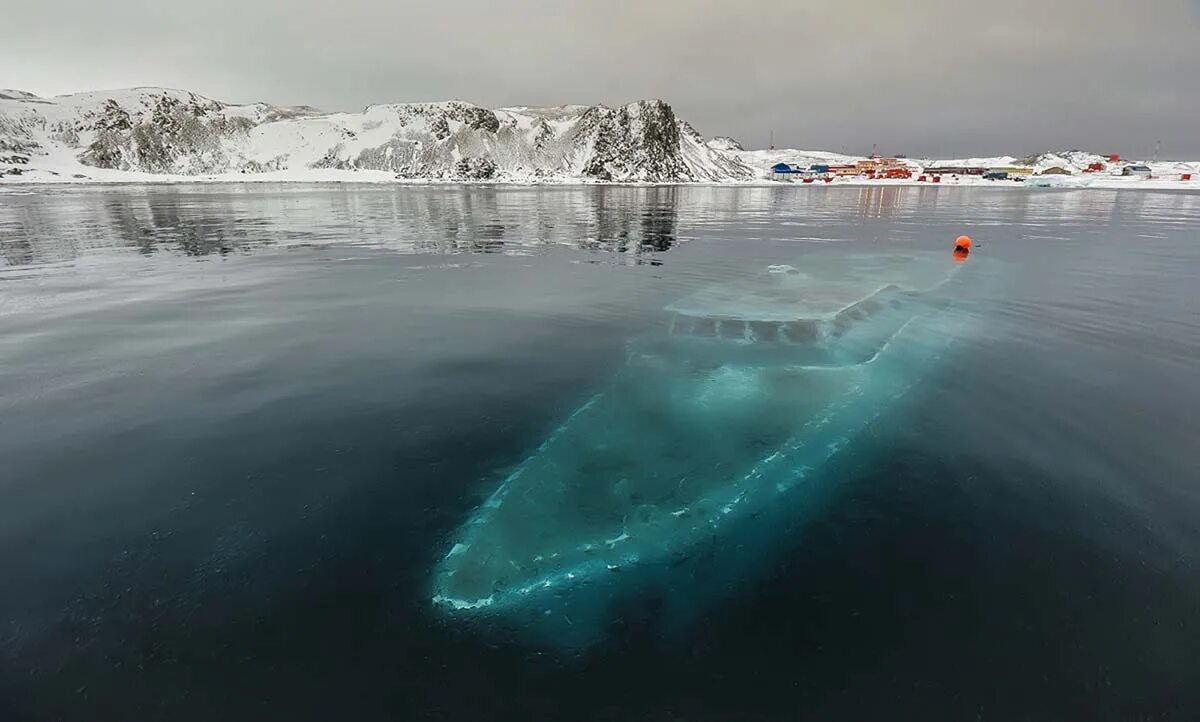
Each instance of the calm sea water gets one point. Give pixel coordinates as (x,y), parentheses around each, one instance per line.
(239,425)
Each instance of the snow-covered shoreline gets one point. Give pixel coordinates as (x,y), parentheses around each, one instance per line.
(382,178)
(170,137)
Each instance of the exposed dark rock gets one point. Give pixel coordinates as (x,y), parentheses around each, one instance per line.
(396,155)
(480,119)
(638,142)
(543,134)
(474,169)
(440,128)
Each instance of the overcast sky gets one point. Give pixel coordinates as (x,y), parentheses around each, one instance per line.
(926,77)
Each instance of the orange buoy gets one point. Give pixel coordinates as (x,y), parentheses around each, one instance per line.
(963,242)
(960,254)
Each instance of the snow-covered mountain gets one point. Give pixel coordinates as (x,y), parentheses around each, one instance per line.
(173,132)
(145,134)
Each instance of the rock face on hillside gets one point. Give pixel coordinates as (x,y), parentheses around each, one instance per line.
(174,136)
(160,131)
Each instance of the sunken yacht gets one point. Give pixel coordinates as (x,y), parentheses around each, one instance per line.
(738,404)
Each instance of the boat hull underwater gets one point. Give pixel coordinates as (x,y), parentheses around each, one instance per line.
(705,450)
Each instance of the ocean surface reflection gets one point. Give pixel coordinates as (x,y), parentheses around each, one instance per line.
(229,219)
(241,425)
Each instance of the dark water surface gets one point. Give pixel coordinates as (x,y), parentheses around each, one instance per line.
(238,427)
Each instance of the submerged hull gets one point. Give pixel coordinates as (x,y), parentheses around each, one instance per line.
(742,404)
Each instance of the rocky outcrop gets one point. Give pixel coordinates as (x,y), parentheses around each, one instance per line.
(638,142)
(187,137)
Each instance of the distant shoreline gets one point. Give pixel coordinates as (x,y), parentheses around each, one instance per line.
(169,136)
(372,178)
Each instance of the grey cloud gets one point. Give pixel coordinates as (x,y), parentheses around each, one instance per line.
(923,76)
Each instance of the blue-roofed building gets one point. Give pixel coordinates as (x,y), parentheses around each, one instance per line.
(789,172)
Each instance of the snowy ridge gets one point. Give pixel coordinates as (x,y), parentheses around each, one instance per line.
(11,94)
(724,142)
(131,134)
(162,134)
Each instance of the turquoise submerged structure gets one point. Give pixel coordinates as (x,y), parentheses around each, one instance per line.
(740,404)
